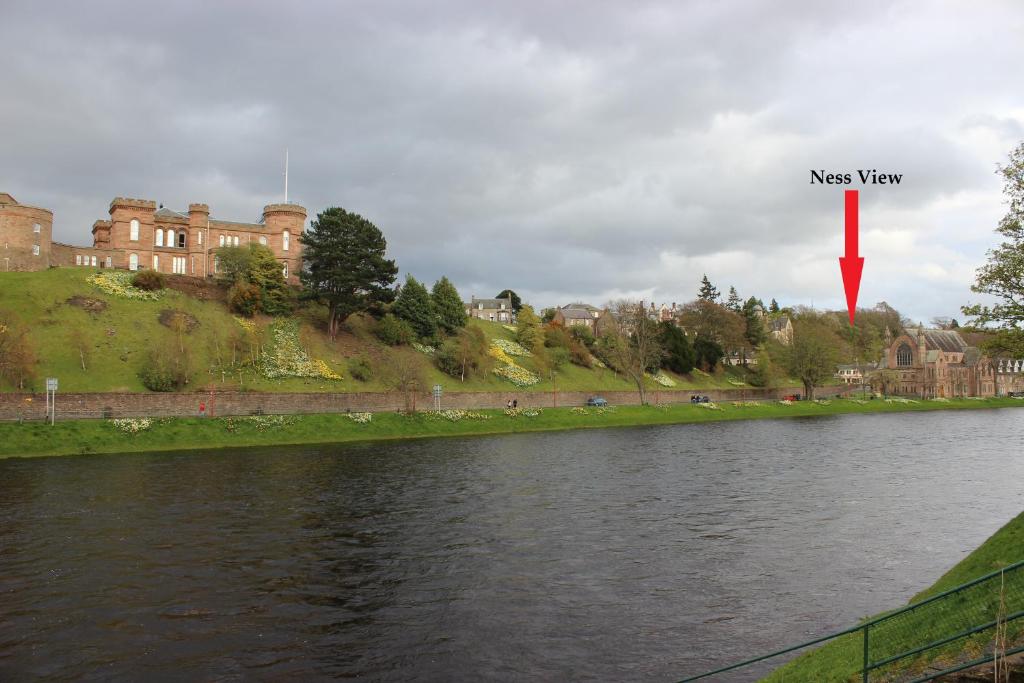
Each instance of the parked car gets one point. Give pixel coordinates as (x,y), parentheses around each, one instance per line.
(596,402)
(791,397)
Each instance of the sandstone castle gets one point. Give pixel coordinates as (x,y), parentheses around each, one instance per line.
(139,234)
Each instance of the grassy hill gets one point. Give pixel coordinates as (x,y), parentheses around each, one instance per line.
(62,308)
(840,660)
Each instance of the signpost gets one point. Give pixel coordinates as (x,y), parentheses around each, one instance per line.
(437,397)
(51,399)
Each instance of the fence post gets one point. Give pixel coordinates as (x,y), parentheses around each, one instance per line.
(864,676)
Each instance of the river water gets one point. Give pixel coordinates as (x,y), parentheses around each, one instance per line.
(623,554)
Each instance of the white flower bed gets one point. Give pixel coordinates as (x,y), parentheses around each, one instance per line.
(663,379)
(360,418)
(119,283)
(457,415)
(424,348)
(900,400)
(710,406)
(512,348)
(132,425)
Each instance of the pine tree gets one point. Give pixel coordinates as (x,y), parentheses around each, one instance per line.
(678,352)
(734,303)
(707,291)
(517,303)
(413,305)
(345,266)
(451,312)
(774,308)
(754,332)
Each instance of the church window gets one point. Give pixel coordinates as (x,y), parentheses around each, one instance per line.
(133,230)
(904,356)
(159,237)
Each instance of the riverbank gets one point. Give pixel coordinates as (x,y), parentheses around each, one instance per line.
(175,434)
(842,658)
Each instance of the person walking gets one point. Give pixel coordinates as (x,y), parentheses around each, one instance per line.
(515,403)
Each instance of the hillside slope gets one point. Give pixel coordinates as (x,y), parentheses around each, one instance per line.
(61,308)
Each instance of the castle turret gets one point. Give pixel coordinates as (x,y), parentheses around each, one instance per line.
(284,224)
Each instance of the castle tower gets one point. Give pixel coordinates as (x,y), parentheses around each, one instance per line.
(285,224)
(26,233)
(198,239)
(132,229)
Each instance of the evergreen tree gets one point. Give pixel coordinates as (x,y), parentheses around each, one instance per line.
(774,307)
(707,292)
(451,312)
(517,303)
(754,332)
(707,353)
(734,303)
(345,266)
(678,353)
(413,305)
(528,330)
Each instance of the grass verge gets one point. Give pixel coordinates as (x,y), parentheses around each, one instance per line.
(166,434)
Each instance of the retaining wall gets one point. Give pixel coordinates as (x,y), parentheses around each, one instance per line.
(109,405)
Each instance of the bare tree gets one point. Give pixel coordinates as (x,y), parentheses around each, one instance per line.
(80,341)
(404,371)
(636,346)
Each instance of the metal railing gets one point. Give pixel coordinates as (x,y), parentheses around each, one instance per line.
(907,642)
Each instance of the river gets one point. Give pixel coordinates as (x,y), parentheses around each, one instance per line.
(622,554)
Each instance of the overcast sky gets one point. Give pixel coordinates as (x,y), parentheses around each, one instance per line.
(568,150)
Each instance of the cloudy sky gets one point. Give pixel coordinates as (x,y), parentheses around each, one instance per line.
(569,150)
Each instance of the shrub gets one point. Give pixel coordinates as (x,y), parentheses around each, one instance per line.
(393,331)
(579,355)
(359,367)
(558,357)
(582,334)
(556,337)
(448,359)
(165,370)
(149,280)
(244,298)
(277,301)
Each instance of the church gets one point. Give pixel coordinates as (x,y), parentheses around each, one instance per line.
(930,363)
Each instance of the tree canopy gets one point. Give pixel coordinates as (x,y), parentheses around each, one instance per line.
(414,306)
(1003,276)
(345,265)
(451,312)
(517,303)
(814,352)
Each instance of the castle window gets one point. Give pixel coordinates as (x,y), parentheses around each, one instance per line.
(236,240)
(199,236)
(285,270)
(286,238)
(78,259)
(93,259)
(35,250)
(133,262)
(263,240)
(222,238)
(36,228)
(170,238)
(159,237)
(133,230)
(181,239)
(110,262)
(156,262)
(178,265)
(904,356)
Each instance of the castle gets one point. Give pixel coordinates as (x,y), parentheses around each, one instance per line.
(139,234)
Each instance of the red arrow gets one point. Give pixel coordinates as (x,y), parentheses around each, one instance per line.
(852,265)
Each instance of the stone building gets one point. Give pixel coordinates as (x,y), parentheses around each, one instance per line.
(495,310)
(941,364)
(600,321)
(139,234)
(26,235)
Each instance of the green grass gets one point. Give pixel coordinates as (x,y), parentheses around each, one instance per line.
(841,659)
(100,436)
(120,337)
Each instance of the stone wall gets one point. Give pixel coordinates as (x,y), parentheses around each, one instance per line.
(78,406)
(18,237)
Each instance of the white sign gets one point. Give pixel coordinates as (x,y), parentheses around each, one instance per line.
(437,390)
(51,384)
